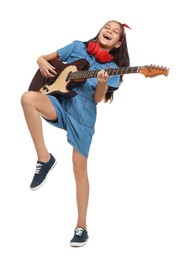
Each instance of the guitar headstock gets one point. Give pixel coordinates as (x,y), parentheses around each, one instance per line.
(153,71)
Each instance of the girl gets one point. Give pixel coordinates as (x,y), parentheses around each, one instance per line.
(76,115)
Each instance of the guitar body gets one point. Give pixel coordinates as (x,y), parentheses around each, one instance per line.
(60,84)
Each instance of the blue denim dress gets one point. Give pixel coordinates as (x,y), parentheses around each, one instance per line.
(77,115)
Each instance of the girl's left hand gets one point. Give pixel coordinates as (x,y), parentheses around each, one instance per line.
(102,76)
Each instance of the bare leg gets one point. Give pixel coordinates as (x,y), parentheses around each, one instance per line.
(82,187)
(34,104)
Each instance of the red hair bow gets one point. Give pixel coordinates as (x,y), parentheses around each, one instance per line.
(125,25)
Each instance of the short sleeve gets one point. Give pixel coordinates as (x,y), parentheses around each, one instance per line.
(65,52)
(113,82)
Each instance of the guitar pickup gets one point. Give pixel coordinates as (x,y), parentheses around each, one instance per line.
(44,89)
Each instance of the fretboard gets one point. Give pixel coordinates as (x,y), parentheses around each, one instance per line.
(85,74)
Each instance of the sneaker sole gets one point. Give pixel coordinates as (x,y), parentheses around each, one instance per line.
(39,186)
(76,244)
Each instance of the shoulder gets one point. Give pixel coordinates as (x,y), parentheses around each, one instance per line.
(73,44)
(79,43)
(79,46)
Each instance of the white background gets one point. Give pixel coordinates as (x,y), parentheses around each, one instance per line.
(137,158)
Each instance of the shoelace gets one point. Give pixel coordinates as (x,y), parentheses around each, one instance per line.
(38,168)
(79,231)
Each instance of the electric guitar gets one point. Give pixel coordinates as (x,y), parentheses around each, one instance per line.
(69,75)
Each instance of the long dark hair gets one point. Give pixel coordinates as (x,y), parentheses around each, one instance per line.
(121,56)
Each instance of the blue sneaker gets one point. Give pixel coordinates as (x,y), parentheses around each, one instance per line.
(41,173)
(80,237)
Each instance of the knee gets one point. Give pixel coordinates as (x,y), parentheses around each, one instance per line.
(27,98)
(79,165)
(80,171)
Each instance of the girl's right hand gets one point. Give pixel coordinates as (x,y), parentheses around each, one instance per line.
(46,69)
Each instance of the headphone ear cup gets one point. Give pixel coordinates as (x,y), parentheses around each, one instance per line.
(104,56)
(101,55)
(93,47)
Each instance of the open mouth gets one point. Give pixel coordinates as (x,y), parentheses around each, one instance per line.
(107,36)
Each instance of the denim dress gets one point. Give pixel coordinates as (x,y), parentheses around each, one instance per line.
(77,115)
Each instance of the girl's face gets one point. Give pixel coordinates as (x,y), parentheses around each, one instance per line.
(109,36)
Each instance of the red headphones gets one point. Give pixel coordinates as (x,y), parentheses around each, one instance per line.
(101,55)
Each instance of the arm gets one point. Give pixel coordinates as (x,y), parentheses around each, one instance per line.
(102,87)
(47,70)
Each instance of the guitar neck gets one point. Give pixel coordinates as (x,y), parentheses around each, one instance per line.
(85,74)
